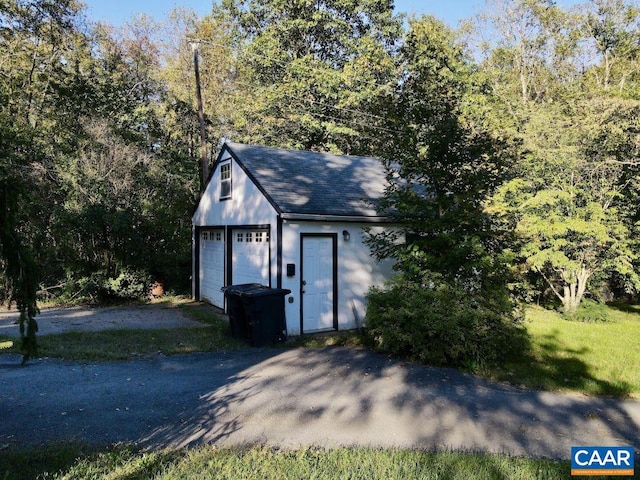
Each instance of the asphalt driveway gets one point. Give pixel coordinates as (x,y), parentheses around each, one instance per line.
(298,397)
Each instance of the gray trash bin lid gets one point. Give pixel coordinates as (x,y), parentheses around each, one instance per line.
(265,292)
(241,288)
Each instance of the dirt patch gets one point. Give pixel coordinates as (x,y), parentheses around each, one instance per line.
(84,319)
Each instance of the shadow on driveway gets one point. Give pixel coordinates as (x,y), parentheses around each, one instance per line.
(300,397)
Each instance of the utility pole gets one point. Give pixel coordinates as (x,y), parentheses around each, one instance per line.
(204,166)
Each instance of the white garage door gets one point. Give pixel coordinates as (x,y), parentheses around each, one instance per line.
(212,266)
(250,257)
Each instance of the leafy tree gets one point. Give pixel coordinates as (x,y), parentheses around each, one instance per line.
(128,186)
(215,38)
(611,27)
(571,194)
(529,47)
(443,161)
(318,72)
(17,264)
(37,40)
(95,181)
(567,204)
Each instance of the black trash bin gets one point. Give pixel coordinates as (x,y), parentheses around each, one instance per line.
(264,313)
(235,308)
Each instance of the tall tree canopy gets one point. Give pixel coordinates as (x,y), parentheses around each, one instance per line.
(450,304)
(316,72)
(444,160)
(572,196)
(94,198)
(38,44)
(567,205)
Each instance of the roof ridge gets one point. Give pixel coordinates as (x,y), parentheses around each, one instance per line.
(297,150)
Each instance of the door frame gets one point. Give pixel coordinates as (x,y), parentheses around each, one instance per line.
(334,246)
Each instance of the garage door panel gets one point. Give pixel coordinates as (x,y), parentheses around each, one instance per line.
(250,257)
(212,266)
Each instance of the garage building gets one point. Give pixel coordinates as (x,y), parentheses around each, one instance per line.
(291,219)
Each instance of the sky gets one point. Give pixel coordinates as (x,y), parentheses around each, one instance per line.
(117,12)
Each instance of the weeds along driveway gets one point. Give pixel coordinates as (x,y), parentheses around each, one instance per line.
(299,397)
(84,319)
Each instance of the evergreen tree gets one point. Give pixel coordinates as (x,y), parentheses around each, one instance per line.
(449,304)
(316,73)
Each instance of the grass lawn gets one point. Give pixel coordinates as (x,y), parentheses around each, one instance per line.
(71,462)
(596,358)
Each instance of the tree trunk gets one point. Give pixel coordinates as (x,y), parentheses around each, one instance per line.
(523,84)
(574,292)
(607,70)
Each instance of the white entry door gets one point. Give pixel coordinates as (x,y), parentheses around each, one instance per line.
(250,256)
(212,266)
(318,270)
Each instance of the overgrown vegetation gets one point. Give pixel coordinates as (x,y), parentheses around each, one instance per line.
(589,311)
(70,462)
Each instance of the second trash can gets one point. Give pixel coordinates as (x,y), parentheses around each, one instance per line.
(256,313)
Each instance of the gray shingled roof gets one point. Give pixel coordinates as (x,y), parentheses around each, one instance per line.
(312,183)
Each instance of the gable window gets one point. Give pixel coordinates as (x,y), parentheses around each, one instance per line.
(225,180)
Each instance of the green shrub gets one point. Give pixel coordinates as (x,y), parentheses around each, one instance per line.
(79,289)
(96,287)
(441,324)
(128,285)
(589,311)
